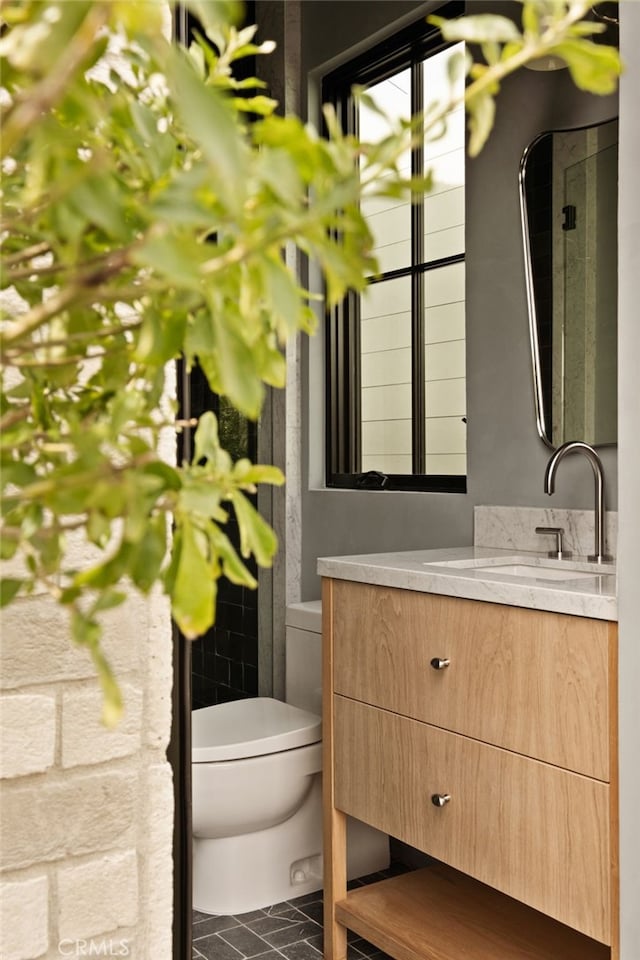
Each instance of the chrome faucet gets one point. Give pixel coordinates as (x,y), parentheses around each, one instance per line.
(599,555)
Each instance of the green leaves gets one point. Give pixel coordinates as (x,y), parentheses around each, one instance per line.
(96,198)
(212,123)
(9,588)
(482,111)
(235,370)
(193,589)
(206,443)
(593,67)
(256,536)
(86,632)
(202,551)
(481,28)
(175,255)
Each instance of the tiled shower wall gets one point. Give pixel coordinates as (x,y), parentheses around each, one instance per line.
(225,659)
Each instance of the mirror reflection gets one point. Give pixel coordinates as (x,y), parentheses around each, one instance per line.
(568,194)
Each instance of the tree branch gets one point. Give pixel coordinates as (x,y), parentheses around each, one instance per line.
(13,416)
(86,287)
(41,488)
(80,338)
(29,253)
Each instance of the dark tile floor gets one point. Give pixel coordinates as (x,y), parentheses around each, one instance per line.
(290,930)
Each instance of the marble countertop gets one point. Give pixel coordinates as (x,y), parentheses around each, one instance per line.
(426,572)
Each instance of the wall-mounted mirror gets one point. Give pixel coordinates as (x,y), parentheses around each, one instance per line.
(568,197)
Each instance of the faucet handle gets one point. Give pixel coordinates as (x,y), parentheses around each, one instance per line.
(559,553)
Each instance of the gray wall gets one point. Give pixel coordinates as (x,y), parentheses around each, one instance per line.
(506,458)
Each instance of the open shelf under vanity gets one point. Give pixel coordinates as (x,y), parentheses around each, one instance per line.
(438,913)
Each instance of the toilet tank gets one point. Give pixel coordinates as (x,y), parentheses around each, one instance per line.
(303,652)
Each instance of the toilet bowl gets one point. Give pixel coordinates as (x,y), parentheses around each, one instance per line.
(257,791)
(256,797)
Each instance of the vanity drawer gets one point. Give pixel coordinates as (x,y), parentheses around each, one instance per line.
(533,831)
(534,682)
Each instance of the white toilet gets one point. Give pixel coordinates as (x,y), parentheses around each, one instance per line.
(257,795)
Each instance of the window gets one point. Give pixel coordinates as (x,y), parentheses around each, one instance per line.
(396,393)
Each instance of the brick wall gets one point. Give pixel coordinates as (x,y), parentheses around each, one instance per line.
(85,850)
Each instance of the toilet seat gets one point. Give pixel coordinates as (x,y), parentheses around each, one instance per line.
(251,728)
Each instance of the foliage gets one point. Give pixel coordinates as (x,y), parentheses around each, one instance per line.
(548,27)
(148,197)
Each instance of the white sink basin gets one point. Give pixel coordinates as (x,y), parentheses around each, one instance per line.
(529,568)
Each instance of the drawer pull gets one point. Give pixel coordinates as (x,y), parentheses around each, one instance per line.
(439,799)
(439,663)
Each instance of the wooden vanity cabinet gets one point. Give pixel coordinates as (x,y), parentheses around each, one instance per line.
(485,736)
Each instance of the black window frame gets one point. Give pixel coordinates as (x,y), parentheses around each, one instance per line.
(408,48)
